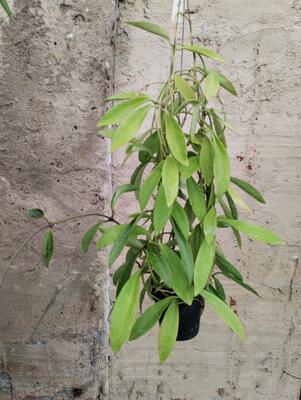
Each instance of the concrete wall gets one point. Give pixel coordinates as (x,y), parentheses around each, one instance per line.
(57,66)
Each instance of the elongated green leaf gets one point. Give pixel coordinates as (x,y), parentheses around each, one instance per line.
(127,96)
(194,121)
(253,231)
(248,188)
(149,318)
(196,199)
(184,88)
(210,223)
(226,84)
(120,243)
(203,51)
(180,282)
(225,313)
(176,139)
(206,160)
(195,240)
(180,217)
(107,133)
(124,312)
(203,266)
(241,283)
(237,199)
(151,146)
(130,126)
(211,85)
(161,211)
(6,7)
(170,180)
(111,233)
(221,168)
(168,331)
(150,27)
(120,190)
(123,273)
(233,209)
(159,264)
(223,81)
(229,214)
(121,111)
(48,247)
(220,289)
(193,166)
(226,267)
(89,236)
(219,130)
(35,213)
(149,185)
(185,251)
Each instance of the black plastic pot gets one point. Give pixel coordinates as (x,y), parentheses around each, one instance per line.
(189,318)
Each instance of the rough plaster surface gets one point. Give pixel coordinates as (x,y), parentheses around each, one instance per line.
(56,61)
(56,67)
(261,41)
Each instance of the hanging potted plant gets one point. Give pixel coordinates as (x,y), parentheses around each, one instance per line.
(185,192)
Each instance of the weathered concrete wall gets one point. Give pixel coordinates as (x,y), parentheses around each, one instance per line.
(56,67)
(261,42)
(56,61)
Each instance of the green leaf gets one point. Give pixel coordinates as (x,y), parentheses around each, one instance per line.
(89,236)
(203,51)
(225,313)
(121,111)
(210,223)
(149,185)
(248,189)
(111,233)
(124,312)
(206,160)
(228,214)
(120,243)
(170,180)
(35,213)
(150,27)
(203,266)
(233,209)
(194,121)
(226,84)
(6,8)
(185,251)
(149,318)
(47,247)
(184,88)
(151,145)
(168,331)
(127,96)
(195,240)
(130,126)
(221,167)
(107,133)
(161,212)
(241,283)
(180,217)
(123,273)
(176,139)
(121,189)
(196,199)
(219,130)
(226,267)
(171,270)
(211,85)
(253,231)
(193,166)
(159,264)
(220,289)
